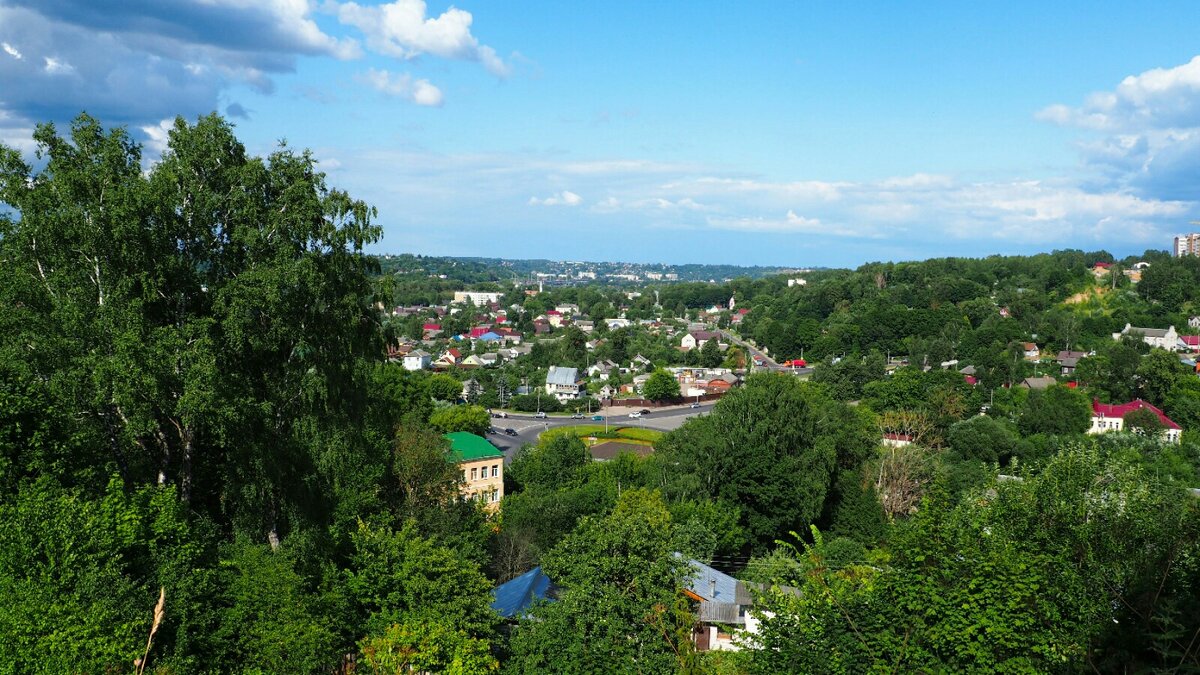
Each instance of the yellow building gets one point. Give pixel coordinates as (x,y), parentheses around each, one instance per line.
(482,465)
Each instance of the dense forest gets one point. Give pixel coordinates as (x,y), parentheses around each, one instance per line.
(207,464)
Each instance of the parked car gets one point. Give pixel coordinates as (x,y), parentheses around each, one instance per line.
(540,415)
(511,432)
(695,405)
(635,414)
(597,418)
(577,416)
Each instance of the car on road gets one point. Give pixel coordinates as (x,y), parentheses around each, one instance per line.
(597,418)
(511,432)
(635,414)
(500,415)
(695,405)
(493,430)
(644,411)
(540,415)
(577,416)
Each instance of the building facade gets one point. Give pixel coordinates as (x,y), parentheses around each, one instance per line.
(1106,417)
(482,466)
(1187,244)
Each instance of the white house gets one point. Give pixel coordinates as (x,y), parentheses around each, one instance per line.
(696,339)
(1107,418)
(417,360)
(1163,338)
(563,383)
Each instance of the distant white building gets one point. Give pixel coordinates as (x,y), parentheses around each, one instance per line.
(797,282)
(417,360)
(1163,338)
(476,298)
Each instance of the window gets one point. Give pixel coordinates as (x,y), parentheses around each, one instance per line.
(495,470)
(474,473)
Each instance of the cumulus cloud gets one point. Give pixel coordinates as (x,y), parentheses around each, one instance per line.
(403,29)
(402,85)
(135,63)
(564,198)
(1150,131)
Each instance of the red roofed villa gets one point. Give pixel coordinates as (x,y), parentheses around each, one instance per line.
(1111,417)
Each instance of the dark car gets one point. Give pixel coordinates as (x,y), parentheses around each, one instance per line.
(644,411)
(511,432)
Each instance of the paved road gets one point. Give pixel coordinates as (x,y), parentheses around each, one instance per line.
(754,352)
(528,427)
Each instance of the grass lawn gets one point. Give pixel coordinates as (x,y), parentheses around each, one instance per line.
(596,431)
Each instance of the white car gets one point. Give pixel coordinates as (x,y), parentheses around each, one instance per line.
(635,414)
(540,415)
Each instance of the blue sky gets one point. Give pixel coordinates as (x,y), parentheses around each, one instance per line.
(796,133)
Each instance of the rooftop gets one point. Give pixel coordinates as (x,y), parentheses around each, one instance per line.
(467,447)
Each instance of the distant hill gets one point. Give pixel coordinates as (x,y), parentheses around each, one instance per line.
(561,273)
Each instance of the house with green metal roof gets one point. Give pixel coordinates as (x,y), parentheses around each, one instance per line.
(482,465)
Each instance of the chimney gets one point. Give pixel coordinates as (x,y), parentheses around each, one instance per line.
(712,588)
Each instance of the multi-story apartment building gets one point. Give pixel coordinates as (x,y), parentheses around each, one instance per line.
(1187,244)
(482,465)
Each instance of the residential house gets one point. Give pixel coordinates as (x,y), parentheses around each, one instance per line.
(603,369)
(554,318)
(563,383)
(541,327)
(586,326)
(567,308)
(1042,382)
(490,336)
(511,336)
(726,618)
(640,362)
(482,465)
(1194,322)
(449,359)
(1163,338)
(607,391)
(696,339)
(1031,351)
(1100,269)
(895,440)
(417,360)
(1191,342)
(615,324)
(479,331)
(431,330)
(489,359)
(471,390)
(472,361)
(739,316)
(1067,360)
(1107,417)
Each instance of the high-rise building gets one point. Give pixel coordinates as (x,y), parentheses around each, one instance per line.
(1187,244)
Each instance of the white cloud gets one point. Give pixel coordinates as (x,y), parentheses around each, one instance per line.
(402,85)
(157,135)
(403,30)
(11,51)
(55,66)
(1151,123)
(564,198)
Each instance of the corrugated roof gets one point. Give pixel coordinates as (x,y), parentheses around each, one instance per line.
(467,447)
(513,598)
(562,375)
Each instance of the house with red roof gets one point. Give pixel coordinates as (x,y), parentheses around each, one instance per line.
(1111,417)
(1191,341)
(478,331)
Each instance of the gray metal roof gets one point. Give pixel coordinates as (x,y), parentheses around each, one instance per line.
(562,375)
